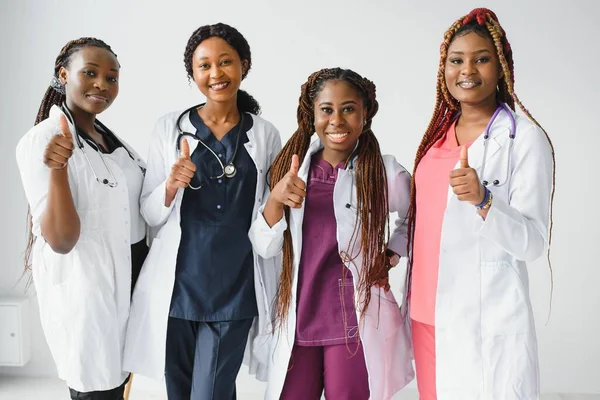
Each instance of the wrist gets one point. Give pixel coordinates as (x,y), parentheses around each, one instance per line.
(274,205)
(61,173)
(487,200)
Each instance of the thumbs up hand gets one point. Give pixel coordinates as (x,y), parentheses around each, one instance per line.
(183,170)
(465,182)
(185,149)
(60,148)
(290,190)
(464,157)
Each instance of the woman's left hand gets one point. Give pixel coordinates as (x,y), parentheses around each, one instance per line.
(465,182)
(390,262)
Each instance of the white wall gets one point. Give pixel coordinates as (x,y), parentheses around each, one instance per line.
(393,43)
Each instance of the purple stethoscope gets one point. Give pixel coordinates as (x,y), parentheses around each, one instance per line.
(486,135)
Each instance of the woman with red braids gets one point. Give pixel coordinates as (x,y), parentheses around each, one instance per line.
(482,191)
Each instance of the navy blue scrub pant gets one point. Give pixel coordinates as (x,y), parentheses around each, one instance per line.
(203,358)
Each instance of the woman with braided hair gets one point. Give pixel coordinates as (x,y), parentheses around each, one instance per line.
(338,327)
(200,301)
(481,200)
(87,236)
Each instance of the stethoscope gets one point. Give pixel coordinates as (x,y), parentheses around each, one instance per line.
(227,170)
(511,135)
(100,126)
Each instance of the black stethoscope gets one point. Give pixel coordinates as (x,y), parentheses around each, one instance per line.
(101,127)
(227,170)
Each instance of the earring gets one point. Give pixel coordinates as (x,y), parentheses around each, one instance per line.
(57,85)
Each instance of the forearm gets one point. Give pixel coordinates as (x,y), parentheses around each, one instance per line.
(169,195)
(60,223)
(273,212)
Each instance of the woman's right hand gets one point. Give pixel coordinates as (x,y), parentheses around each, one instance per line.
(182,171)
(60,148)
(290,190)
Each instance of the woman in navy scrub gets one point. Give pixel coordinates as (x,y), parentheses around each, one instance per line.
(199,293)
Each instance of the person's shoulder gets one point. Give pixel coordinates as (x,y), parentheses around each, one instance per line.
(267,130)
(39,135)
(169,118)
(392,165)
(263,124)
(165,126)
(529,133)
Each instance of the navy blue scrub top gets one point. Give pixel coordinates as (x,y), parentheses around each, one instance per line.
(214,277)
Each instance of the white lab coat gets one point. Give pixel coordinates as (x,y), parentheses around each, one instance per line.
(486,346)
(147,329)
(84,295)
(383,330)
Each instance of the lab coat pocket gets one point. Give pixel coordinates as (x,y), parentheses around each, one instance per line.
(150,267)
(346,313)
(504,305)
(59,267)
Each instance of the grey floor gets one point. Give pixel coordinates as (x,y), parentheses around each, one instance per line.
(12,388)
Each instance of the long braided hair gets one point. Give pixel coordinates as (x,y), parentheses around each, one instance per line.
(245,102)
(485,23)
(55,95)
(371,185)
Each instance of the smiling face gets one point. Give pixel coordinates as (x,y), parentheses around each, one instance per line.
(91,80)
(340,117)
(472,69)
(217,69)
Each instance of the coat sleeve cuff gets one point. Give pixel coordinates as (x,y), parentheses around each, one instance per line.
(154,210)
(397,244)
(267,240)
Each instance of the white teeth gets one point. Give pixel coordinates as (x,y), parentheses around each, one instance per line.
(468,84)
(337,135)
(219,86)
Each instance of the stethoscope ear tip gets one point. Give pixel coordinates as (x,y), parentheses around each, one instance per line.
(495,183)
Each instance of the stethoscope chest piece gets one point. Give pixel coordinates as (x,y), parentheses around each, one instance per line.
(230,170)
